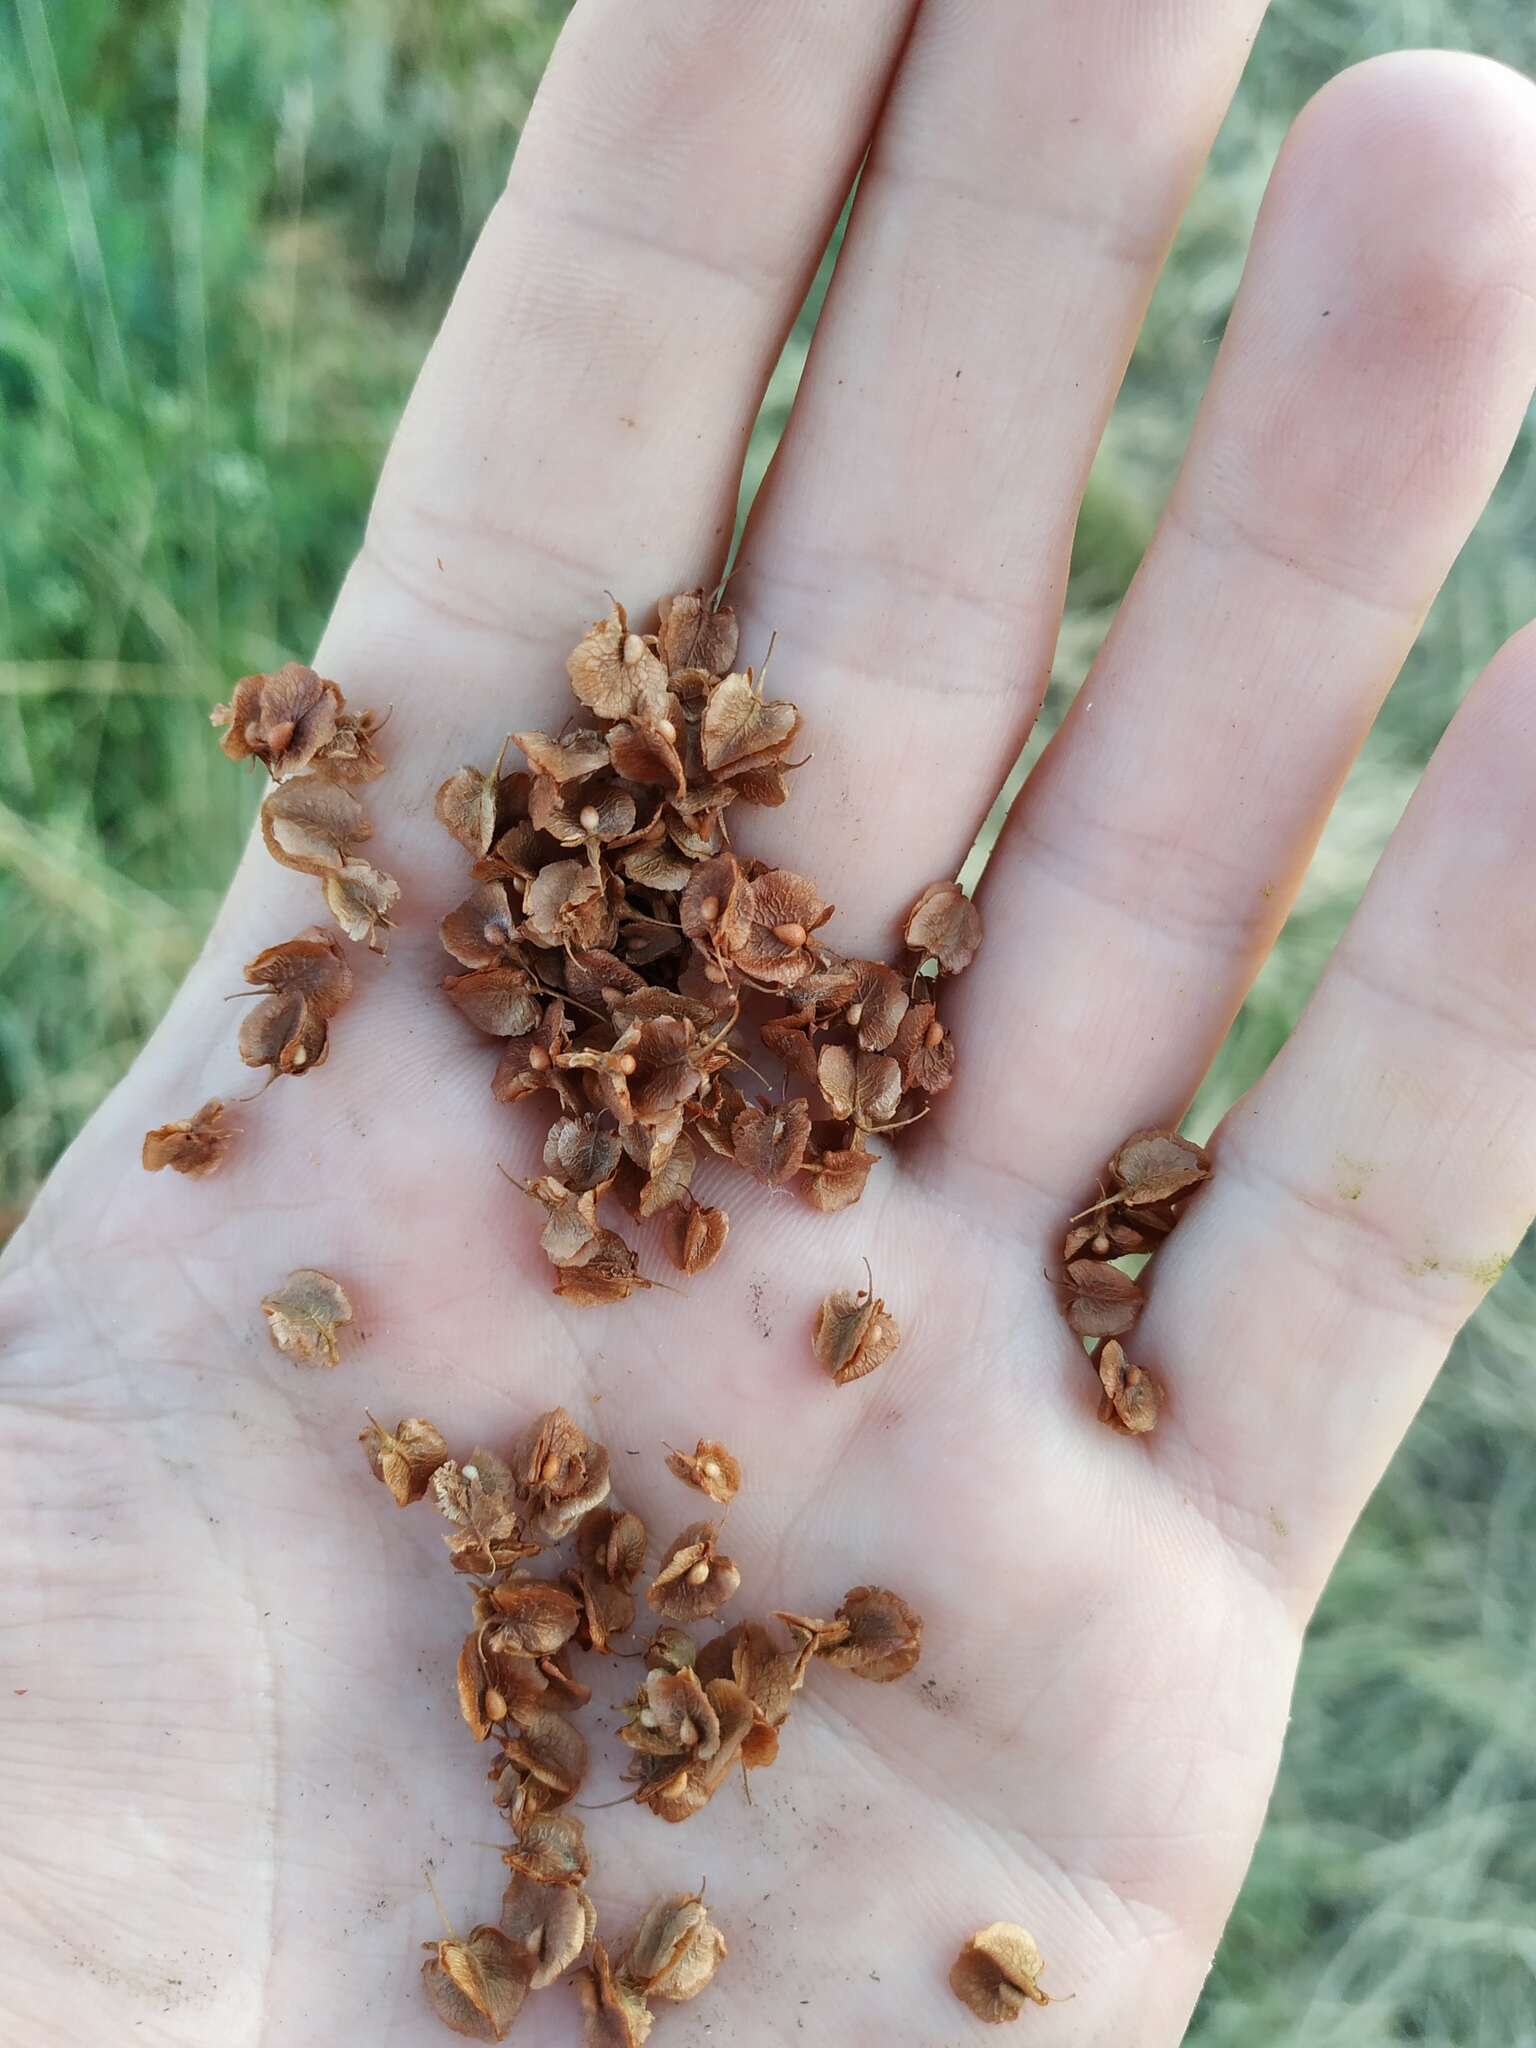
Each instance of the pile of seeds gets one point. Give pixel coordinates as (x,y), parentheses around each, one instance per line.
(620,948)
(1151,1177)
(700,1714)
(297,724)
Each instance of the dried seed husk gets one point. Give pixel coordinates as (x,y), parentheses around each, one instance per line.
(863,1088)
(288,1030)
(670,1181)
(791,1040)
(1153,1166)
(481,931)
(477,1498)
(405,1458)
(561,1472)
(676,1795)
(349,755)
(877,1005)
(672,1649)
(767,1673)
(838,1177)
(571,1226)
(876,1635)
(1131,1396)
(194,1145)
(696,1237)
(550,1923)
(497,1684)
(770,1141)
(282,720)
(531,1063)
(571,903)
(467,806)
(567,759)
(613,2015)
(617,673)
(782,911)
(695,1580)
(1102,1300)
(534,1618)
(612,1541)
(672,1716)
(675,1950)
(945,926)
(304,1314)
(550,1849)
(998,1972)
(477,1987)
(1106,1235)
(502,1001)
(309,824)
(696,634)
(709,1469)
(741,728)
(549,1750)
(924,1050)
(360,898)
(612,1273)
(643,754)
(582,1153)
(610,1551)
(853,1334)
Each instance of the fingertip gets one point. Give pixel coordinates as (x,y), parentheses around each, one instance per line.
(1422,165)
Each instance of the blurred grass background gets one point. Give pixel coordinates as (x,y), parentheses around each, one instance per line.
(227,236)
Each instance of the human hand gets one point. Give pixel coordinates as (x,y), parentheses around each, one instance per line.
(237,1743)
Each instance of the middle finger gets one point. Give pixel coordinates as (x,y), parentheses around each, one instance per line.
(912,540)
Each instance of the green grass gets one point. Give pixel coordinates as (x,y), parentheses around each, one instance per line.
(226,236)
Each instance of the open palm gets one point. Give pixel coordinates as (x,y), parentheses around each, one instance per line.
(233,1743)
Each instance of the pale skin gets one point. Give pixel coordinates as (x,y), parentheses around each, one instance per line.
(230,1745)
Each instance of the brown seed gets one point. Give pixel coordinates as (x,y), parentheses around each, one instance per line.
(282,720)
(195,1145)
(695,1580)
(304,1314)
(1131,1397)
(405,1458)
(998,1972)
(477,1987)
(710,1469)
(853,1334)
(1102,1301)
(944,926)
(675,1951)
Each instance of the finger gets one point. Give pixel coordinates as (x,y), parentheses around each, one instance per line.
(912,539)
(1373,376)
(582,417)
(1378,1179)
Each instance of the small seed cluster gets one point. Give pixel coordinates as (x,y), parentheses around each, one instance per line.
(615,943)
(1151,1177)
(701,1713)
(296,723)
